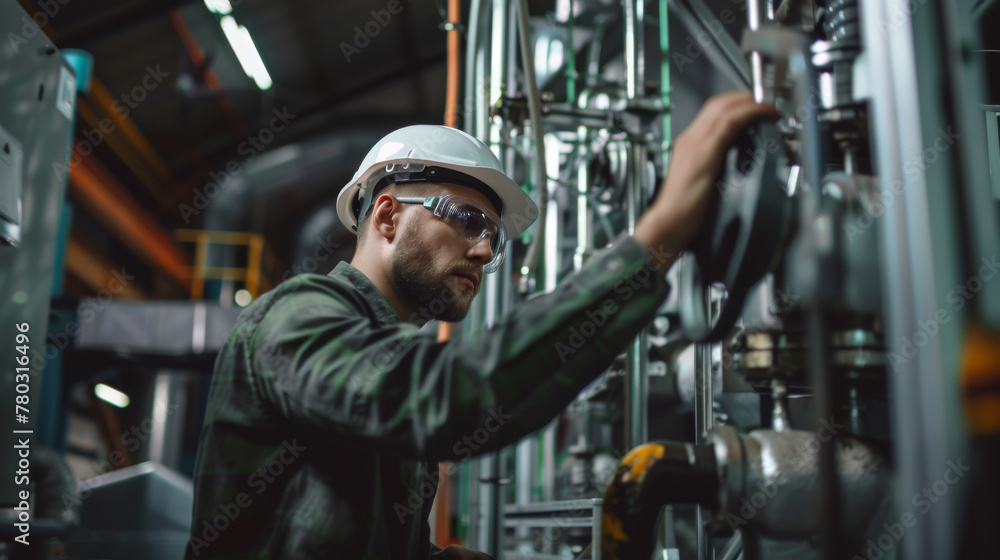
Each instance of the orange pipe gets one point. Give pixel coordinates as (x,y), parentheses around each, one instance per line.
(127,143)
(442,515)
(96,272)
(104,197)
(451,101)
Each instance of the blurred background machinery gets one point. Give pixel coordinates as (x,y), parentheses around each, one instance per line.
(822,381)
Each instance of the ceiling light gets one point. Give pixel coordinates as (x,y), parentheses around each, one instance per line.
(221,7)
(111,395)
(242,44)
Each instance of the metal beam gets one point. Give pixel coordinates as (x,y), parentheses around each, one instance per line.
(127,142)
(106,199)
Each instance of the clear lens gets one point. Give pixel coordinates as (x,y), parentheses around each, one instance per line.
(475,222)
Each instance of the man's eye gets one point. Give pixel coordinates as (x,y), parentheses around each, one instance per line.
(475,223)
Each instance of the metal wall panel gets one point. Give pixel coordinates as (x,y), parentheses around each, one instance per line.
(35,87)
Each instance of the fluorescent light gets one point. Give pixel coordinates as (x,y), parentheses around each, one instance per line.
(246,52)
(111,395)
(221,7)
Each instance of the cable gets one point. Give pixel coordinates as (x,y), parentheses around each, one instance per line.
(535,113)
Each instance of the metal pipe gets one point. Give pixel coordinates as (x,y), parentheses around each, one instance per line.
(451,104)
(485,508)
(538,130)
(920,251)
(637,358)
(498,74)
(635,58)
(723,51)
(821,377)
(820,356)
(474,103)
(820,244)
(734,548)
(665,147)
(571,61)
(756,12)
(704,418)
(601,24)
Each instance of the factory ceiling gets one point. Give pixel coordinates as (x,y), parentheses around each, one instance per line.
(171,115)
(170,105)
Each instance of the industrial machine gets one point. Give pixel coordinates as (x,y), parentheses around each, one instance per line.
(37,98)
(821,383)
(805,391)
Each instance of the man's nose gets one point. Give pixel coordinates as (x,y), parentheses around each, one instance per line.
(481,249)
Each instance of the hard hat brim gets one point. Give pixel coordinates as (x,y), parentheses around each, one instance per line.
(519,211)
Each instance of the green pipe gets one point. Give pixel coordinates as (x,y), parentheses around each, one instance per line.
(665,83)
(571,63)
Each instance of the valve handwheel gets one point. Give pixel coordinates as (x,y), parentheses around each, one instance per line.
(744,231)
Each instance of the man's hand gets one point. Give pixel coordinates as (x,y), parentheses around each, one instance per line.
(674,217)
(455,552)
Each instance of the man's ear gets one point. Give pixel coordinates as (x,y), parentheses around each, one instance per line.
(385,216)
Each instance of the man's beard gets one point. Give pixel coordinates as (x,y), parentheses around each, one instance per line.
(418,283)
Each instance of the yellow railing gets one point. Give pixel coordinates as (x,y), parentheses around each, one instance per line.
(260,261)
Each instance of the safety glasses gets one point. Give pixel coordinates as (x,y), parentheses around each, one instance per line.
(470,218)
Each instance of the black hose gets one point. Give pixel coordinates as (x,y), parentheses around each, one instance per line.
(651,476)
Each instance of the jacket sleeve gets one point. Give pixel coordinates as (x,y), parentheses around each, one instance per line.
(331,370)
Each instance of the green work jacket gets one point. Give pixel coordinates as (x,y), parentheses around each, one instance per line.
(328,415)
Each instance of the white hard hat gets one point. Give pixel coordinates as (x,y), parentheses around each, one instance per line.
(435,153)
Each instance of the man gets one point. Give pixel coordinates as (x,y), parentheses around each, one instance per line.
(330,409)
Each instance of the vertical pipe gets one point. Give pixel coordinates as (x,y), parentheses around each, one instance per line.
(451,105)
(485,496)
(821,243)
(583,213)
(821,378)
(704,421)
(169,404)
(665,83)
(474,102)
(571,61)
(635,61)
(920,251)
(636,361)
(537,127)
(637,358)
(498,76)
(451,109)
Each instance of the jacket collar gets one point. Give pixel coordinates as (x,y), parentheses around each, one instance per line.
(381,310)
